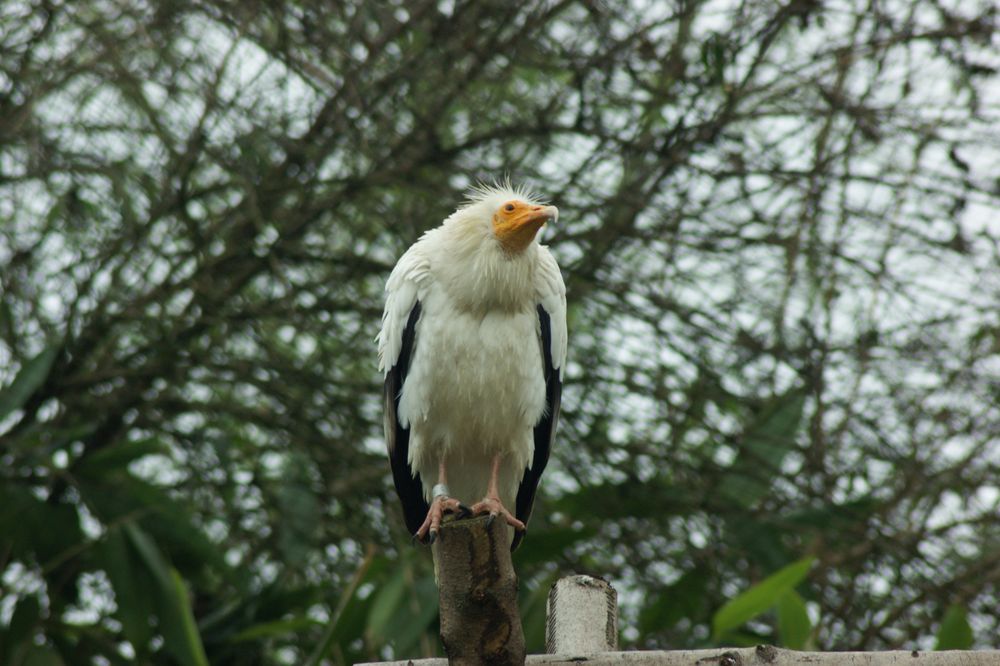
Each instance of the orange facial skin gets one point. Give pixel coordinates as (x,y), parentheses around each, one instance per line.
(515,224)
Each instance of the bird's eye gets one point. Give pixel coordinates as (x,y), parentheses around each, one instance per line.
(509,207)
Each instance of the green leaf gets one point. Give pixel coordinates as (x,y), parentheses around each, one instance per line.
(32,375)
(655,498)
(6,315)
(388,598)
(713,56)
(62,532)
(132,586)
(348,607)
(39,655)
(833,517)
(38,441)
(746,638)
(794,626)
(409,624)
(766,441)
(176,621)
(19,511)
(772,434)
(532,601)
(188,642)
(117,495)
(684,598)
(300,509)
(21,628)
(114,457)
(762,538)
(546,546)
(760,597)
(276,603)
(353,618)
(24,619)
(20,517)
(955,632)
(275,628)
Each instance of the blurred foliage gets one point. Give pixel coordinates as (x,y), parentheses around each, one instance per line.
(762,596)
(779,237)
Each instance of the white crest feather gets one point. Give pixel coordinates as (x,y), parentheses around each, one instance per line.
(500,188)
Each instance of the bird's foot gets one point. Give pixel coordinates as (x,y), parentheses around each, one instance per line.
(430,530)
(493,507)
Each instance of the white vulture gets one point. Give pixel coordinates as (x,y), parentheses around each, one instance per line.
(473,347)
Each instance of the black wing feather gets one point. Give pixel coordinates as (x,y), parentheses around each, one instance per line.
(545,430)
(409,487)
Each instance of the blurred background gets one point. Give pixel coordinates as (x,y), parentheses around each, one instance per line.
(780,233)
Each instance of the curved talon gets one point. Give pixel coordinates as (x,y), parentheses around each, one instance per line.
(495,508)
(430,530)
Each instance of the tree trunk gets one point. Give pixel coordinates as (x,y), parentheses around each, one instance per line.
(477,588)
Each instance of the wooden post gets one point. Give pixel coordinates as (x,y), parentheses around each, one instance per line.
(477,589)
(762,655)
(581,616)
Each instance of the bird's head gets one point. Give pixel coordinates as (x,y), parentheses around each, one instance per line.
(510,215)
(516,222)
(488,248)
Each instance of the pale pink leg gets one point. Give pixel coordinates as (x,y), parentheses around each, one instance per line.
(431,527)
(491,504)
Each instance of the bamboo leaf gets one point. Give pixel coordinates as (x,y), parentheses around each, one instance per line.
(346,597)
(118,456)
(176,621)
(388,598)
(274,628)
(794,625)
(132,586)
(955,632)
(409,625)
(546,546)
(22,512)
(655,498)
(683,598)
(533,601)
(20,630)
(31,376)
(39,655)
(767,439)
(117,495)
(760,597)
(300,508)
(187,641)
